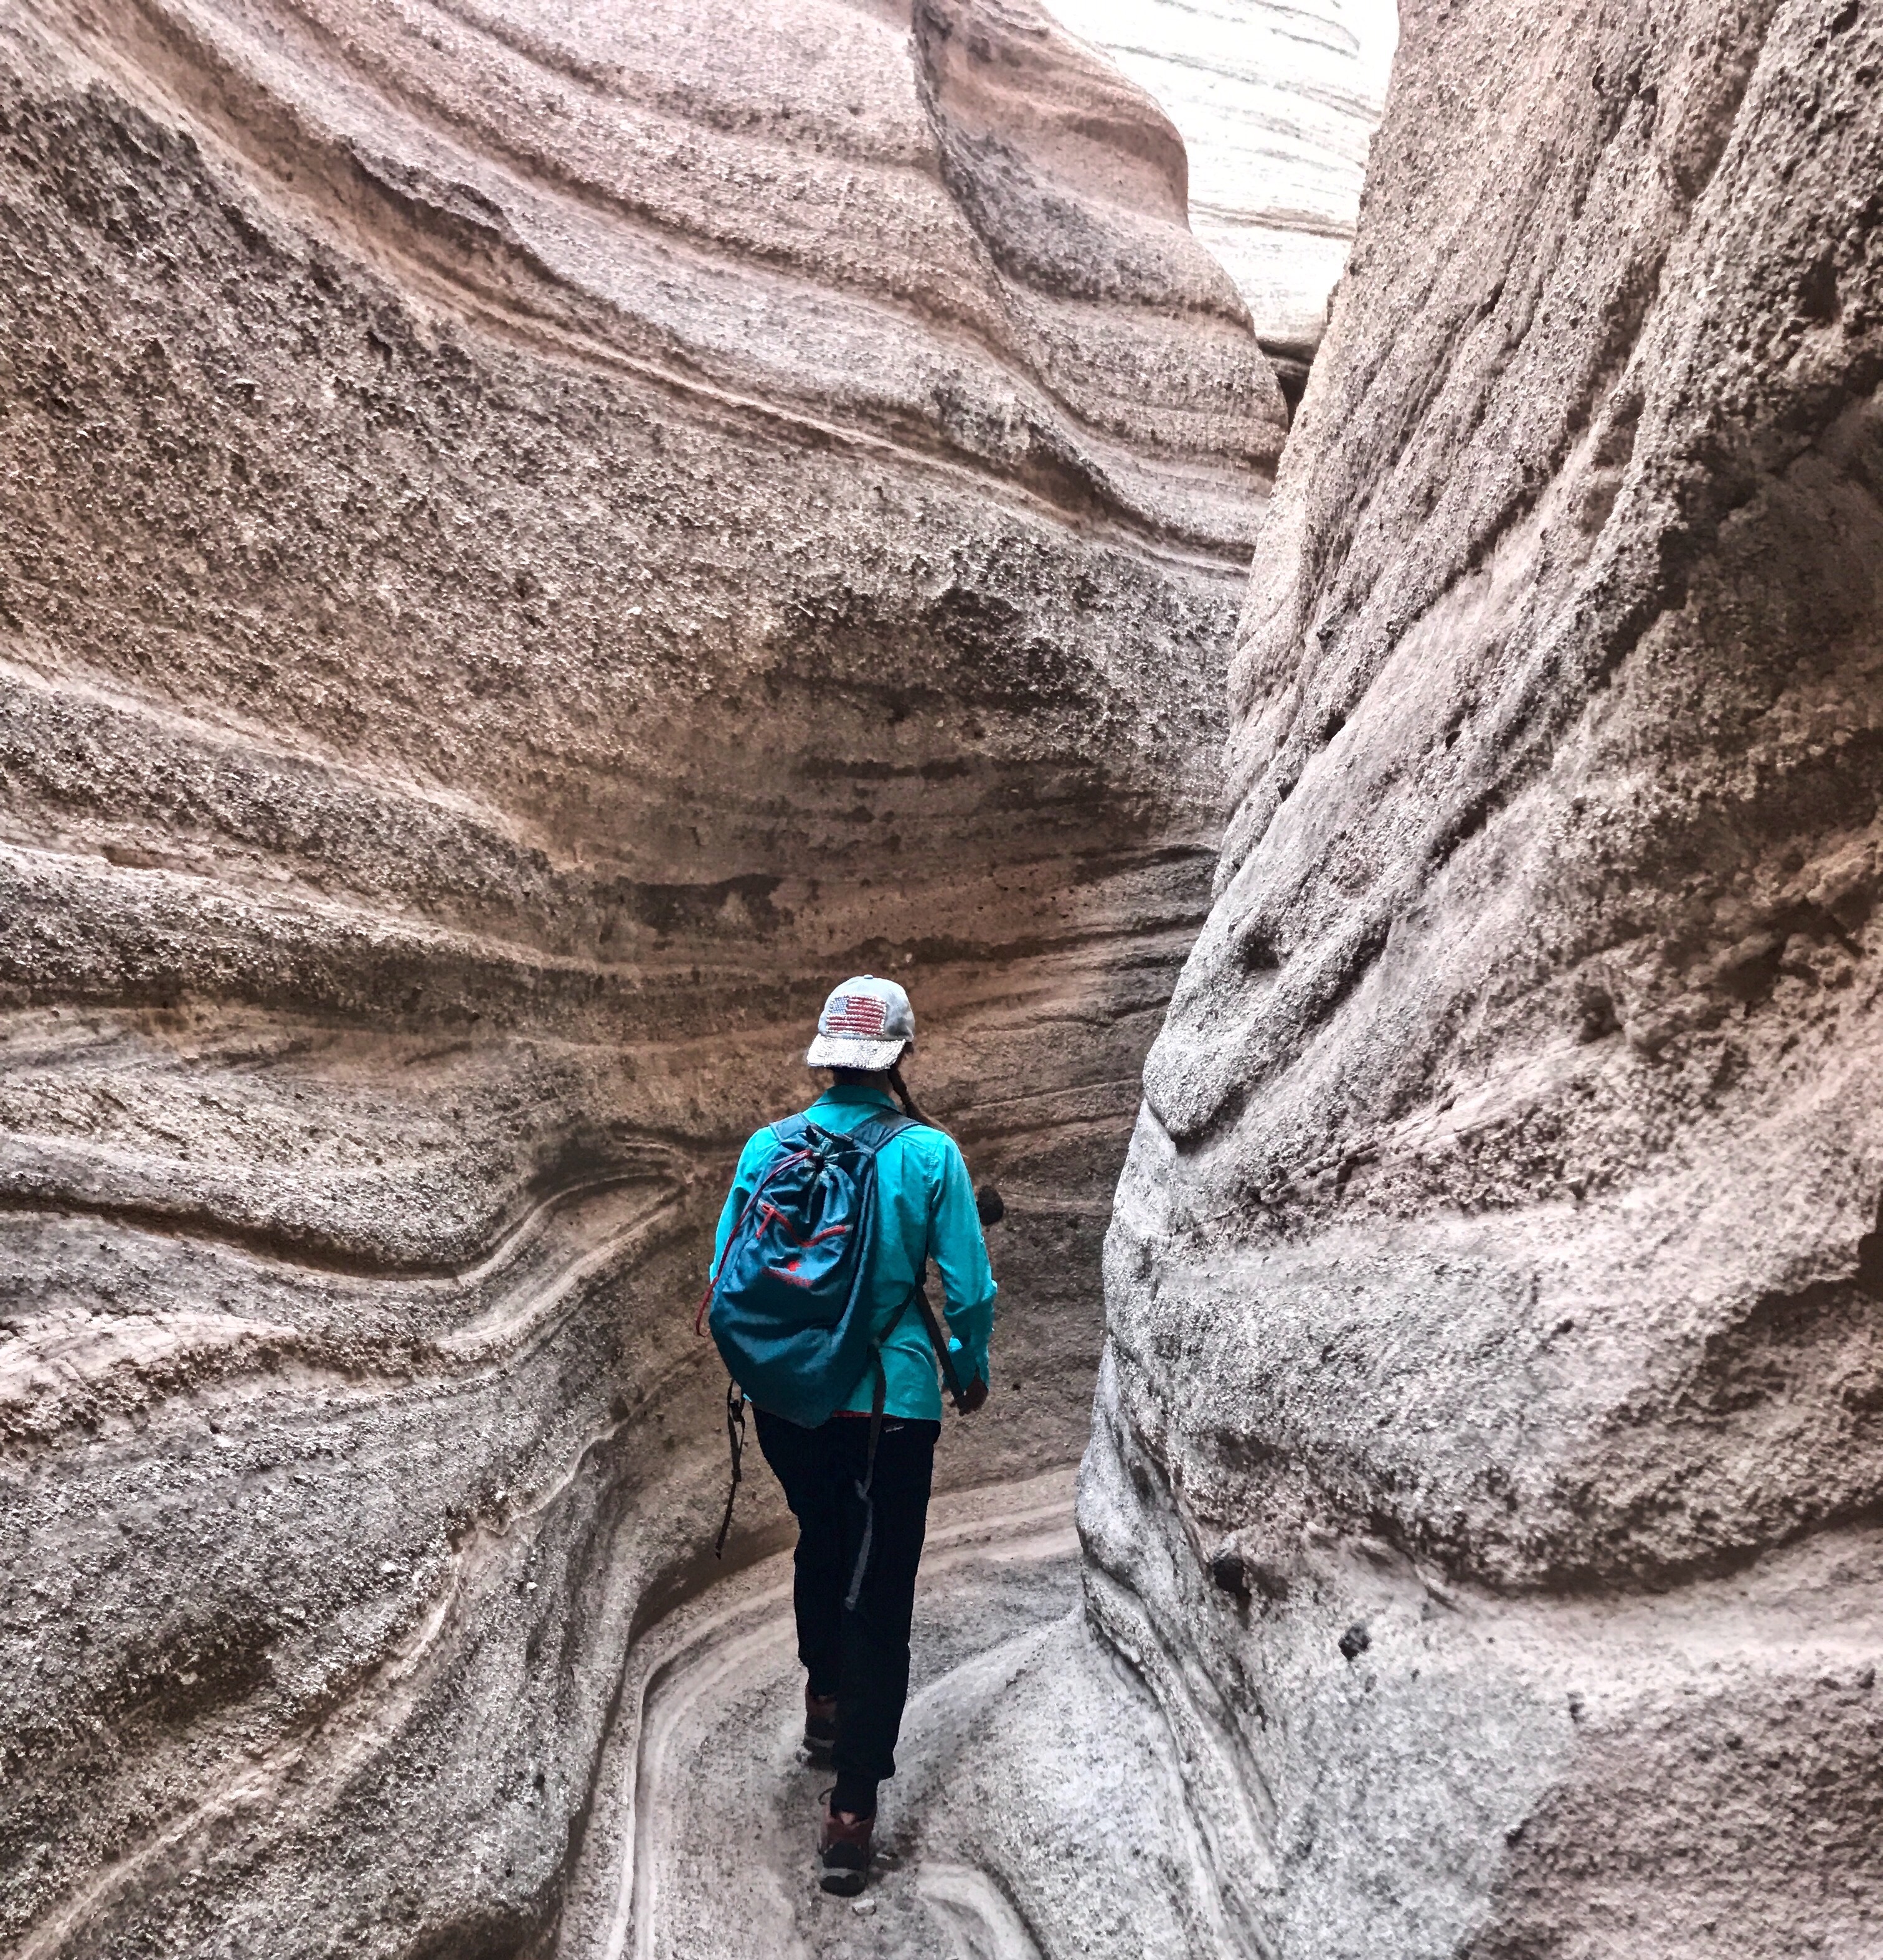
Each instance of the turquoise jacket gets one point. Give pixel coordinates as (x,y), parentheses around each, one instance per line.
(924,1203)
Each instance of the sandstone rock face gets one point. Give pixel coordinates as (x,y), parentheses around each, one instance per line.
(535,538)
(1488,1457)
(1276,101)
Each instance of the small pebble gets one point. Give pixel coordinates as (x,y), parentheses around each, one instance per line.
(863,1905)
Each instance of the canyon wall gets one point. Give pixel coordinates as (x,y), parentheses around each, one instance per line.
(535,538)
(1486,1473)
(1276,101)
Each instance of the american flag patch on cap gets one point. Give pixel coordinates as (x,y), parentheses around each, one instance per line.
(854,1014)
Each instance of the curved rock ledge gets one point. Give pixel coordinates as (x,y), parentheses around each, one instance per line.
(1014,1829)
(706,1808)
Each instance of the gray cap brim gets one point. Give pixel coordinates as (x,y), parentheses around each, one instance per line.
(852,1052)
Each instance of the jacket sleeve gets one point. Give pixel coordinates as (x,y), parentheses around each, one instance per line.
(961,1252)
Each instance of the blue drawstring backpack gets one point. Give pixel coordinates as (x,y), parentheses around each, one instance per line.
(788,1304)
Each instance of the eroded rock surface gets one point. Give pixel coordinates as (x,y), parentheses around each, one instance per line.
(704,1853)
(1488,1460)
(534,538)
(1276,101)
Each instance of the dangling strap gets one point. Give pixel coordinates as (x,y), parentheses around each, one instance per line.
(879,1395)
(735,1440)
(939,1341)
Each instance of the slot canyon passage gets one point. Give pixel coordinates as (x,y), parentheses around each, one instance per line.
(538,536)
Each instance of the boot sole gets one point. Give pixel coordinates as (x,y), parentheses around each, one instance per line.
(841,1882)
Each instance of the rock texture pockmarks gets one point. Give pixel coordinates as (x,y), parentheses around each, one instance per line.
(1277,101)
(1488,1454)
(534,540)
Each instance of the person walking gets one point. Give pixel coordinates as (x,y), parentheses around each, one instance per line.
(888,1190)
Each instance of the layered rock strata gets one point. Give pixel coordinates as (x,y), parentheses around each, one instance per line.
(1277,102)
(1486,1471)
(534,539)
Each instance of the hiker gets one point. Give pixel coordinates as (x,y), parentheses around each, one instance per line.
(817,1304)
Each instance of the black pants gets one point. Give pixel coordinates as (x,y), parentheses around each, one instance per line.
(861,1655)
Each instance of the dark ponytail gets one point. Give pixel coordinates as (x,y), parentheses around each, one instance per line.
(902,1095)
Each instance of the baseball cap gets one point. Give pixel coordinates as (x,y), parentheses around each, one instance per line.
(865,1024)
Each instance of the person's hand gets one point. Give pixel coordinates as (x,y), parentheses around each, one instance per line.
(973,1396)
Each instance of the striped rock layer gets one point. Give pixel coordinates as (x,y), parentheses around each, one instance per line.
(1489,1449)
(1277,101)
(533,539)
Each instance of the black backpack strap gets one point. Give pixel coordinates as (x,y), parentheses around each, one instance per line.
(879,1395)
(939,1341)
(735,1439)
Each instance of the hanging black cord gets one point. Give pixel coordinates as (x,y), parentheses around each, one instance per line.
(878,1394)
(735,1439)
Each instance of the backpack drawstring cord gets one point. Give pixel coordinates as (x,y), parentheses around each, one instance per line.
(706,1298)
(735,1439)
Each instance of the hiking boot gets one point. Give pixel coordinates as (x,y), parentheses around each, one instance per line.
(843,1850)
(820,1723)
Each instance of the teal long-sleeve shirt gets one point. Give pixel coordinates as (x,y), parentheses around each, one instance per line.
(924,1204)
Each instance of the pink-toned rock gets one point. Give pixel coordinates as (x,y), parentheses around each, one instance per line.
(532,540)
(1488,1456)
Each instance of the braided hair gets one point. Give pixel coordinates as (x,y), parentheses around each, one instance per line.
(902,1095)
(893,1074)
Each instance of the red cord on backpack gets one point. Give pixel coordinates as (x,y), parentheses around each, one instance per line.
(706,1298)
